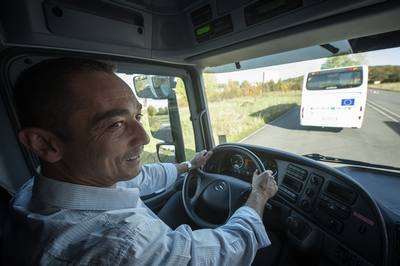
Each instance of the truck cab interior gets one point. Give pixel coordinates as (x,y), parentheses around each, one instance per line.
(328,211)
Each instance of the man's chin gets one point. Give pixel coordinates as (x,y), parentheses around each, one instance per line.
(132,171)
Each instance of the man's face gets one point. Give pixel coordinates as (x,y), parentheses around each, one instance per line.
(107,136)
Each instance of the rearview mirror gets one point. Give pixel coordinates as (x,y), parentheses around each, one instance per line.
(154,87)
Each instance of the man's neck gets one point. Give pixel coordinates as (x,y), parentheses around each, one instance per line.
(54,172)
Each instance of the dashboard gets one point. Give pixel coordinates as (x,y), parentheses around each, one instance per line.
(325,209)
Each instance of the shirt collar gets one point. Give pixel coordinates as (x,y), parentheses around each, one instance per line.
(79,197)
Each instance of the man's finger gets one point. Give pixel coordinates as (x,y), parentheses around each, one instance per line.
(208,154)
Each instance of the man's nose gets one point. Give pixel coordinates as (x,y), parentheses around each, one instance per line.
(139,134)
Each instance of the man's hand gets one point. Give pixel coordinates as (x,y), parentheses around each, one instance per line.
(264,187)
(200,158)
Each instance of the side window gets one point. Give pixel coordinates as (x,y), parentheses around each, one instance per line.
(166,118)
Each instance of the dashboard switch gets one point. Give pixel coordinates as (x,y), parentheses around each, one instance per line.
(310,192)
(329,221)
(305,204)
(297,227)
(315,180)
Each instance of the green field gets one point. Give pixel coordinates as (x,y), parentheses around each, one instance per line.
(235,118)
(239,117)
(386,86)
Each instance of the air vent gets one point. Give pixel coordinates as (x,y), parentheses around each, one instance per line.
(296,172)
(263,10)
(201,15)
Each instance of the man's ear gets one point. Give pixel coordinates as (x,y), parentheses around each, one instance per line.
(42,142)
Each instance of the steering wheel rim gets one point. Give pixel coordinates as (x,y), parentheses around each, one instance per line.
(214,189)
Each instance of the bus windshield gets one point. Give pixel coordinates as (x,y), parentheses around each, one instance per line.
(303,107)
(335,79)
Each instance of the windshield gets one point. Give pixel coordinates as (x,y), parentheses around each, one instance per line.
(334,79)
(269,106)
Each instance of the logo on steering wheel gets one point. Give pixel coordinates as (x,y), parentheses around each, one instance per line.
(220,186)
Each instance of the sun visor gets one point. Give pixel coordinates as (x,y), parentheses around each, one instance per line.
(303,54)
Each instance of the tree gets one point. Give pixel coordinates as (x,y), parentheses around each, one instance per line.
(343,61)
(246,87)
(180,92)
(384,74)
(151,110)
(210,81)
(162,111)
(232,90)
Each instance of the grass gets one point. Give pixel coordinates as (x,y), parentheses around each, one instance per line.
(386,86)
(235,118)
(239,117)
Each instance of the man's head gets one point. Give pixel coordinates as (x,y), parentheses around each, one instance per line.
(81,120)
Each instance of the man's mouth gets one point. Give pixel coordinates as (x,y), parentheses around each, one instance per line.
(133,158)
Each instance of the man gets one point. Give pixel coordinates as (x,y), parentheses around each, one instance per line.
(83,122)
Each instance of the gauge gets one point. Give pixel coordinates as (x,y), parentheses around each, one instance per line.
(237,161)
(271,165)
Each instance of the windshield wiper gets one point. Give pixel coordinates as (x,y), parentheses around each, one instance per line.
(323,158)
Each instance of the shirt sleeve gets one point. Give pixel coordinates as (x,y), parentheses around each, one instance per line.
(152,177)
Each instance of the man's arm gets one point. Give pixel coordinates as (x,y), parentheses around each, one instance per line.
(154,177)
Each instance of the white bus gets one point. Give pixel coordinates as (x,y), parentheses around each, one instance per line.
(334,97)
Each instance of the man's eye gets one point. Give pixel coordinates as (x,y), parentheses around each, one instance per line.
(139,117)
(117,125)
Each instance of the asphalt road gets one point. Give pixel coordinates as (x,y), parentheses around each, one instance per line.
(377,141)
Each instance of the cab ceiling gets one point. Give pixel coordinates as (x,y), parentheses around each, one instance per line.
(202,33)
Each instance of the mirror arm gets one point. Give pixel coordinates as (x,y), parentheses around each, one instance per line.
(158,145)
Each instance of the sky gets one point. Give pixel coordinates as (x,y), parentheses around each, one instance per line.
(380,57)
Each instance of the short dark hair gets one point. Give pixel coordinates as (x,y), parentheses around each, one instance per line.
(42,93)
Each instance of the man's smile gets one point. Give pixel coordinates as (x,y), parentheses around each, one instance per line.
(133,158)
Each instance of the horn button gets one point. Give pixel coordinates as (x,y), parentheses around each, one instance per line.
(216,195)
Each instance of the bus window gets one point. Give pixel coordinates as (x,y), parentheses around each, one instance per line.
(335,79)
(334,97)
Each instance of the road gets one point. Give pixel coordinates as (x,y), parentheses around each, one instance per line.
(377,141)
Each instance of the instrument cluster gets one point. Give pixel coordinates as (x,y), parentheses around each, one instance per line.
(243,167)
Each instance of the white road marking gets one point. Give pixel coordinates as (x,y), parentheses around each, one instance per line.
(384,109)
(376,108)
(252,134)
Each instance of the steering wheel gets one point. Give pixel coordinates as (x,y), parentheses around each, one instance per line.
(217,191)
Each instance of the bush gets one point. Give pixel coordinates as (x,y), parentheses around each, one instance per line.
(151,110)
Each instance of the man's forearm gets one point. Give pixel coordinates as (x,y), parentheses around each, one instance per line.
(256,202)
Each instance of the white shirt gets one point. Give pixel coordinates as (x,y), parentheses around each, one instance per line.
(58,223)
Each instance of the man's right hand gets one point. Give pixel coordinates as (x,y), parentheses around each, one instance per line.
(264,187)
